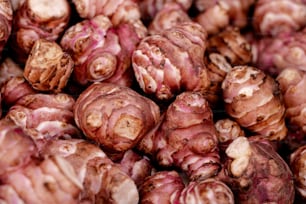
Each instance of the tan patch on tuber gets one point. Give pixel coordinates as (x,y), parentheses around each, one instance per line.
(128,126)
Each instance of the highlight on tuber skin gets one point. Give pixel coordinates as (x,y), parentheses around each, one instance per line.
(253,99)
(170,62)
(100,50)
(36,19)
(189,144)
(6,21)
(114,116)
(103,181)
(298,167)
(48,68)
(273,18)
(256,173)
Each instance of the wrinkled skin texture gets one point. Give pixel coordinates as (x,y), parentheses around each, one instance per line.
(36,19)
(292,83)
(279,16)
(256,173)
(216,15)
(115,116)
(232,45)
(171,62)
(137,166)
(272,55)
(298,167)
(161,187)
(208,191)
(9,69)
(248,93)
(190,144)
(48,68)
(100,50)
(16,148)
(50,181)
(103,181)
(45,116)
(171,14)
(6,19)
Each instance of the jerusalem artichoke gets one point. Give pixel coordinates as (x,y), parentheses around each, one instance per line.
(6,20)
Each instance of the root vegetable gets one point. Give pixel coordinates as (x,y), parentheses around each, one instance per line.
(6,20)
(36,19)
(171,14)
(298,167)
(102,180)
(186,138)
(161,187)
(279,16)
(14,89)
(16,148)
(215,16)
(114,116)
(45,116)
(9,69)
(256,173)
(48,68)
(171,62)
(253,99)
(232,45)
(100,51)
(207,191)
(50,181)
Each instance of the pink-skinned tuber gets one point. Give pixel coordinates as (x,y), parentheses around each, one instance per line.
(102,180)
(9,69)
(298,168)
(254,100)
(256,173)
(170,62)
(6,21)
(217,15)
(272,18)
(36,19)
(161,187)
(45,116)
(48,68)
(186,138)
(51,180)
(114,116)
(101,51)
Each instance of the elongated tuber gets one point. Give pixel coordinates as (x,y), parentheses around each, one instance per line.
(114,116)
(189,144)
(171,62)
(248,93)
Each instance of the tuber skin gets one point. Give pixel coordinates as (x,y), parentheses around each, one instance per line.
(273,18)
(114,116)
(232,45)
(36,19)
(292,82)
(45,116)
(298,167)
(16,148)
(217,15)
(9,69)
(256,173)
(170,14)
(103,181)
(208,191)
(100,50)
(51,181)
(248,93)
(137,166)
(273,55)
(171,62)
(161,187)
(6,21)
(48,68)
(190,145)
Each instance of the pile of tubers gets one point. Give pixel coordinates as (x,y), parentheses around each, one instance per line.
(152,102)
